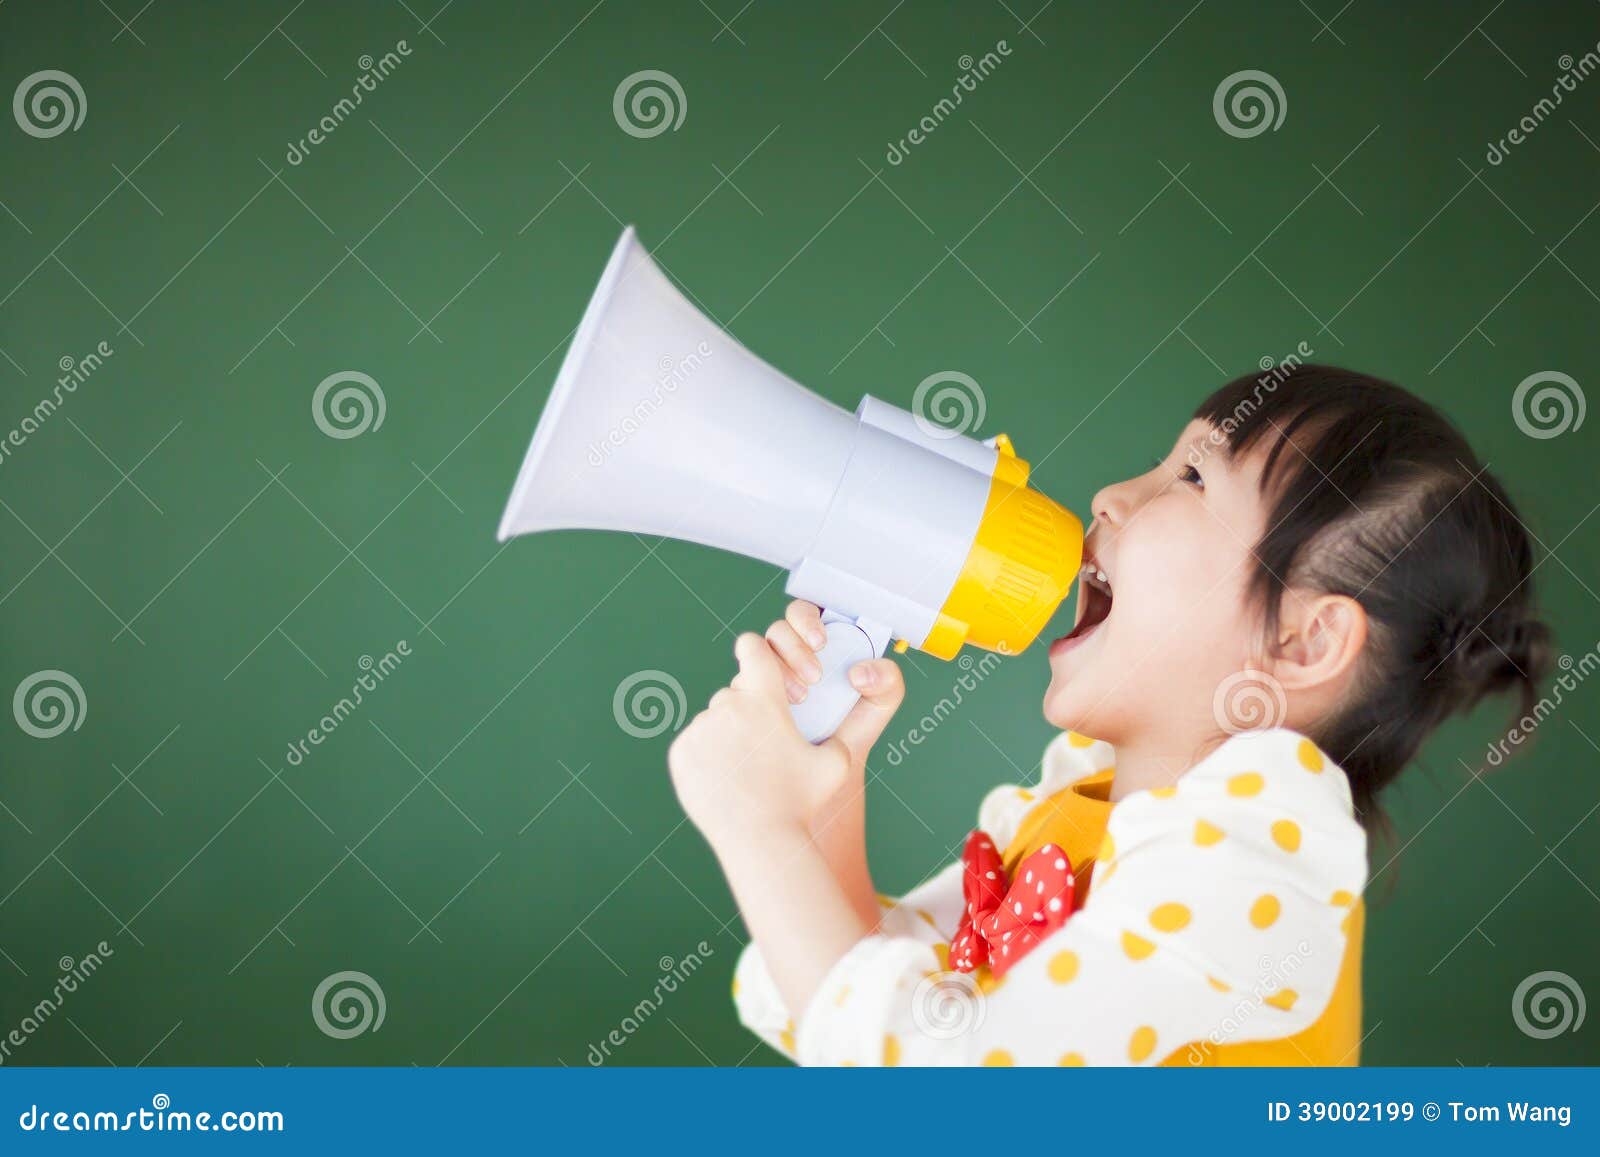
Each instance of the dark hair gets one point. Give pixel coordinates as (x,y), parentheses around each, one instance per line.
(1376,496)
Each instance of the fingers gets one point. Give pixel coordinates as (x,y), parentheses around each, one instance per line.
(760,671)
(798,657)
(882,688)
(806,619)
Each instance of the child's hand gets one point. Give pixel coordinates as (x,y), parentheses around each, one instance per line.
(796,638)
(741,766)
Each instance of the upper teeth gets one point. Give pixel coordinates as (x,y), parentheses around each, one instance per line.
(1090,569)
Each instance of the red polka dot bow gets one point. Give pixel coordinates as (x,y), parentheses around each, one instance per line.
(1007,919)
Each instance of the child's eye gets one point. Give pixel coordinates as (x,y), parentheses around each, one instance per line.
(1189,474)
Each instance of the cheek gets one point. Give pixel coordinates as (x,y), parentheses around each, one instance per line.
(1186,597)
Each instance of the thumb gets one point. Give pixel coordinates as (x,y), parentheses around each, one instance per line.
(882,689)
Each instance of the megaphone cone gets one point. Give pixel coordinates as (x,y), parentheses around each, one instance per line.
(661,423)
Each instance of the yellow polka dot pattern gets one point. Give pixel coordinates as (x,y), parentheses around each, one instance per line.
(1136,946)
(1076,740)
(1286,834)
(1063,967)
(1170,918)
(1164,792)
(1265,911)
(1284,998)
(891,1051)
(997,1059)
(1309,756)
(1071,1060)
(1207,834)
(1141,1044)
(1245,784)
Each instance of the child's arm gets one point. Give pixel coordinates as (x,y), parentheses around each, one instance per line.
(840,826)
(758,791)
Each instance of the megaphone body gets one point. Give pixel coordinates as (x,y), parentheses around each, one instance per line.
(904,531)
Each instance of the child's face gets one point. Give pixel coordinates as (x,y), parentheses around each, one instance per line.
(1175,546)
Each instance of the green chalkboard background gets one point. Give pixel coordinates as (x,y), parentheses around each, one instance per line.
(482,838)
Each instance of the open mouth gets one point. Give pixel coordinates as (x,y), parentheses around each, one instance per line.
(1094,602)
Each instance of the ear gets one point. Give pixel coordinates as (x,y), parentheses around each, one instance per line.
(1320,637)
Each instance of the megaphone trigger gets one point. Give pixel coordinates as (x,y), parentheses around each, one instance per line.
(830,698)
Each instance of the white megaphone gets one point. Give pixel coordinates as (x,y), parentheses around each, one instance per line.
(904,531)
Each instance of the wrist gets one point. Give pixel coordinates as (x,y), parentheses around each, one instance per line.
(764,838)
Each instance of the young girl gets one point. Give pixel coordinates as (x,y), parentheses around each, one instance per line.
(1320,554)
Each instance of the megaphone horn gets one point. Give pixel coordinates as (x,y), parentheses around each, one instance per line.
(662,423)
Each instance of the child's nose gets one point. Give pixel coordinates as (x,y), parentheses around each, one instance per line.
(1112,504)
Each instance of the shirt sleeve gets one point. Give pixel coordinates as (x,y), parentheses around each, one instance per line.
(928,915)
(1217,915)
(925,916)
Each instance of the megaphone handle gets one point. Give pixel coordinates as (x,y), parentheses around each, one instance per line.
(831,697)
